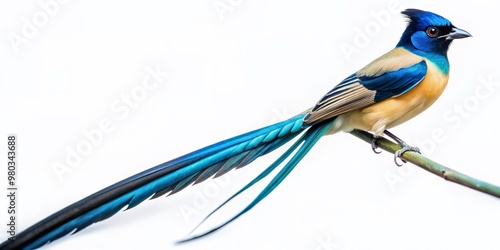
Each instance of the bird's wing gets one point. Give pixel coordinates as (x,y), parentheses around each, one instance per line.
(391,75)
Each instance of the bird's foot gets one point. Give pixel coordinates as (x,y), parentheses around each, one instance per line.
(404,148)
(375,146)
(399,153)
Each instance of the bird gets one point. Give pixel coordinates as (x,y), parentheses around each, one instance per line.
(387,92)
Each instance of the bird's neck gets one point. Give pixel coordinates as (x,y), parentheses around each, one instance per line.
(439,59)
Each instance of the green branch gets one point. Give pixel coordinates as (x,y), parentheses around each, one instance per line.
(431,166)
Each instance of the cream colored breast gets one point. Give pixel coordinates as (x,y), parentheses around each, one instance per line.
(421,96)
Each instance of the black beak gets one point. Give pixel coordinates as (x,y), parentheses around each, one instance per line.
(456,33)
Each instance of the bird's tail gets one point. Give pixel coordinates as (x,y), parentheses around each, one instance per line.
(173,176)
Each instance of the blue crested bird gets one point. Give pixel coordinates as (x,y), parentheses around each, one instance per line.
(387,92)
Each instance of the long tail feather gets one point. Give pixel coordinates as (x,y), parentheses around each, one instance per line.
(262,175)
(169,177)
(308,140)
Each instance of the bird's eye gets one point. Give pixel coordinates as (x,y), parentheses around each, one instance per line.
(432,31)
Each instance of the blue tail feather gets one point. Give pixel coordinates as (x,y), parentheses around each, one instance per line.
(307,141)
(262,175)
(169,177)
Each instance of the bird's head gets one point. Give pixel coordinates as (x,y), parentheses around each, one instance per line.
(429,32)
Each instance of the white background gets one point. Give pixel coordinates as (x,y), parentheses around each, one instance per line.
(231,72)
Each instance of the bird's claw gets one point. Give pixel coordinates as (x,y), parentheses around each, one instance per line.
(374,145)
(400,152)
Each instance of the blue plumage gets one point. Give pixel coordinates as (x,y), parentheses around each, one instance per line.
(394,83)
(306,142)
(421,19)
(423,45)
(223,156)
